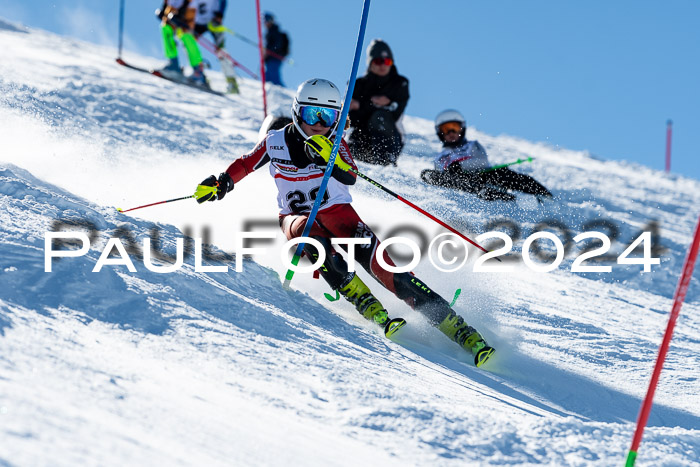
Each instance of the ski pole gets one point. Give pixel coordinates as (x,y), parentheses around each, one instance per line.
(500,166)
(222,28)
(153,204)
(212,48)
(335,146)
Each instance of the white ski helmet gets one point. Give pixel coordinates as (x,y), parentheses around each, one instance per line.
(450,115)
(316,92)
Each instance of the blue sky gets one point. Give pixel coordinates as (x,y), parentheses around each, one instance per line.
(598,75)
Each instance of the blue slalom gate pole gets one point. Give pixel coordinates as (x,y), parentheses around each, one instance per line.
(336,144)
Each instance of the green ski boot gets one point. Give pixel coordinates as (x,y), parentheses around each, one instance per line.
(357,293)
(454,327)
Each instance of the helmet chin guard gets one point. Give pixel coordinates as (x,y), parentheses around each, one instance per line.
(318,92)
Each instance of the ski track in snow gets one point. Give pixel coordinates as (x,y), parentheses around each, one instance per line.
(211,368)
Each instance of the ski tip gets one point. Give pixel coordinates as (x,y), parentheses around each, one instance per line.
(483,355)
(120,210)
(393,326)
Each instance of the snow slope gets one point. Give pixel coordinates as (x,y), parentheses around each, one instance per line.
(119,367)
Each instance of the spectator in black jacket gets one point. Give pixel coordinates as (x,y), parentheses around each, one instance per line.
(276,48)
(378,102)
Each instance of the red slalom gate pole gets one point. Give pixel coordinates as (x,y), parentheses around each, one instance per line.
(262,59)
(678,299)
(669,125)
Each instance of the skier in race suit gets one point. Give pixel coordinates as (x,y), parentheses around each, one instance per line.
(298,168)
(464,165)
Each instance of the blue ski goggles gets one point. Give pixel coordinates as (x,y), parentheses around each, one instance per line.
(312,115)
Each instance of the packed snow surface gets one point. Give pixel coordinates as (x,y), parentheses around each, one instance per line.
(228,368)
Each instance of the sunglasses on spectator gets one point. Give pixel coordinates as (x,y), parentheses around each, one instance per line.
(382,61)
(450,126)
(311,115)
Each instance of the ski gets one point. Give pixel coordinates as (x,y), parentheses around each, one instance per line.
(160,75)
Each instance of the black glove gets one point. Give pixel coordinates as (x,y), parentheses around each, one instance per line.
(222,185)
